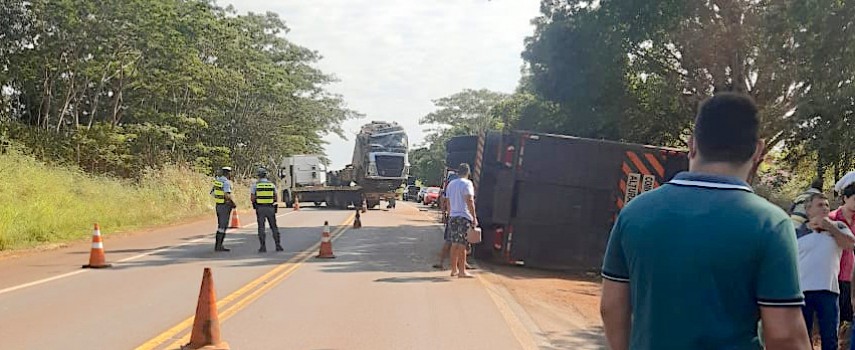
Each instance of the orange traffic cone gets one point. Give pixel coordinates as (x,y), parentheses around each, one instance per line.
(296,203)
(96,255)
(235,221)
(206,324)
(326,243)
(357,223)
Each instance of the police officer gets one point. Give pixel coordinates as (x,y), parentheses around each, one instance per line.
(264,198)
(222,192)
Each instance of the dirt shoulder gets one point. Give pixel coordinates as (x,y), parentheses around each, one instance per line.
(563,307)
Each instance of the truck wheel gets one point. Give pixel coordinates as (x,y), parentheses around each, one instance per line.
(318,204)
(373,204)
(286,198)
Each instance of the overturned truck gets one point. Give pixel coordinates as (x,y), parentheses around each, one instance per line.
(549,201)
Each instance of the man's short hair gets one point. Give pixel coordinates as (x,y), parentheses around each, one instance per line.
(463,169)
(848,191)
(727,128)
(814,196)
(817,183)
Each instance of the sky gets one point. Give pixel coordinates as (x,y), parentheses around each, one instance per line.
(393,57)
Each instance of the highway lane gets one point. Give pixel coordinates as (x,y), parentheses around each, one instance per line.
(379,293)
(121,307)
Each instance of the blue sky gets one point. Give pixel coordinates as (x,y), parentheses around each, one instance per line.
(393,57)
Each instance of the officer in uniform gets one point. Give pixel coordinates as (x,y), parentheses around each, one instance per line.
(264,200)
(222,192)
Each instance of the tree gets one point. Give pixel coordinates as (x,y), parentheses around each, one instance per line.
(468,112)
(826,114)
(621,61)
(123,86)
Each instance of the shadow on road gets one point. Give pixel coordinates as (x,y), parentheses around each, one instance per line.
(580,339)
(243,244)
(413,279)
(400,249)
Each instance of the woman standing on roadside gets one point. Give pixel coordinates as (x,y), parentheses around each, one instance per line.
(846,213)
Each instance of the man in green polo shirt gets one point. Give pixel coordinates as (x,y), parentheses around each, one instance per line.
(697,262)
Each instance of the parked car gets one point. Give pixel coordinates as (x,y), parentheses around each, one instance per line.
(412,193)
(420,197)
(431,197)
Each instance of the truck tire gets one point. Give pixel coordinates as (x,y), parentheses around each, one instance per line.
(462,144)
(454,159)
(286,198)
(372,204)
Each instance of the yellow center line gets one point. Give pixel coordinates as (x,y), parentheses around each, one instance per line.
(242,297)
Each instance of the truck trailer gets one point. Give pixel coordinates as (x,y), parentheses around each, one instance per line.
(549,201)
(303,178)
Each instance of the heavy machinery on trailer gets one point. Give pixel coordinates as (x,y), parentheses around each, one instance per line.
(379,167)
(380,164)
(303,178)
(548,200)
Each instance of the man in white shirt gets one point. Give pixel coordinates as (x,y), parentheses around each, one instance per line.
(461,216)
(821,243)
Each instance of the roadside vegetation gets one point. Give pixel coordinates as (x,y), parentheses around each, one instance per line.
(45,204)
(120,112)
(635,71)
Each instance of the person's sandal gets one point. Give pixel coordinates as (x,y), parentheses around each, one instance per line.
(465,275)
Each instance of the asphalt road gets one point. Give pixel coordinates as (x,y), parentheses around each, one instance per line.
(379,293)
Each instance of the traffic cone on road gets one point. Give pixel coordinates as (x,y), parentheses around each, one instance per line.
(96,254)
(296,203)
(235,221)
(357,223)
(206,324)
(326,243)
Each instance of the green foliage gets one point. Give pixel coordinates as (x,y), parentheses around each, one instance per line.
(427,165)
(636,70)
(468,112)
(826,115)
(119,87)
(54,204)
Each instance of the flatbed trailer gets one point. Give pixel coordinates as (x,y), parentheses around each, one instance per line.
(333,196)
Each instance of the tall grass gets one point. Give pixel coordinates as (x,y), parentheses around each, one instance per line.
(41,203)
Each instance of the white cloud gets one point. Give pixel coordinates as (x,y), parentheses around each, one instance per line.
(394,56)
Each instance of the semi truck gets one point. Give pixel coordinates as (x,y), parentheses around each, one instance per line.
(303,178)
(549,201)
(379,167)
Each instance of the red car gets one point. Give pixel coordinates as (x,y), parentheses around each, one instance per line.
(431,196)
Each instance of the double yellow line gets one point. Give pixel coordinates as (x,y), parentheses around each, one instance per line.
(241,298)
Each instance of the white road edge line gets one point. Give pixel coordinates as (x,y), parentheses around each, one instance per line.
(522,327)
(135,257)
(34,283)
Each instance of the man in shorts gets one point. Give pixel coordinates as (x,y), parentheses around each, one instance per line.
(461,217)
(443,207)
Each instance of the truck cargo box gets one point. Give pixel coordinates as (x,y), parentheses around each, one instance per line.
(550,200)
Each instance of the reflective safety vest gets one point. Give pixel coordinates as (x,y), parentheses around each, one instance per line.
(264,192)
(219,194)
